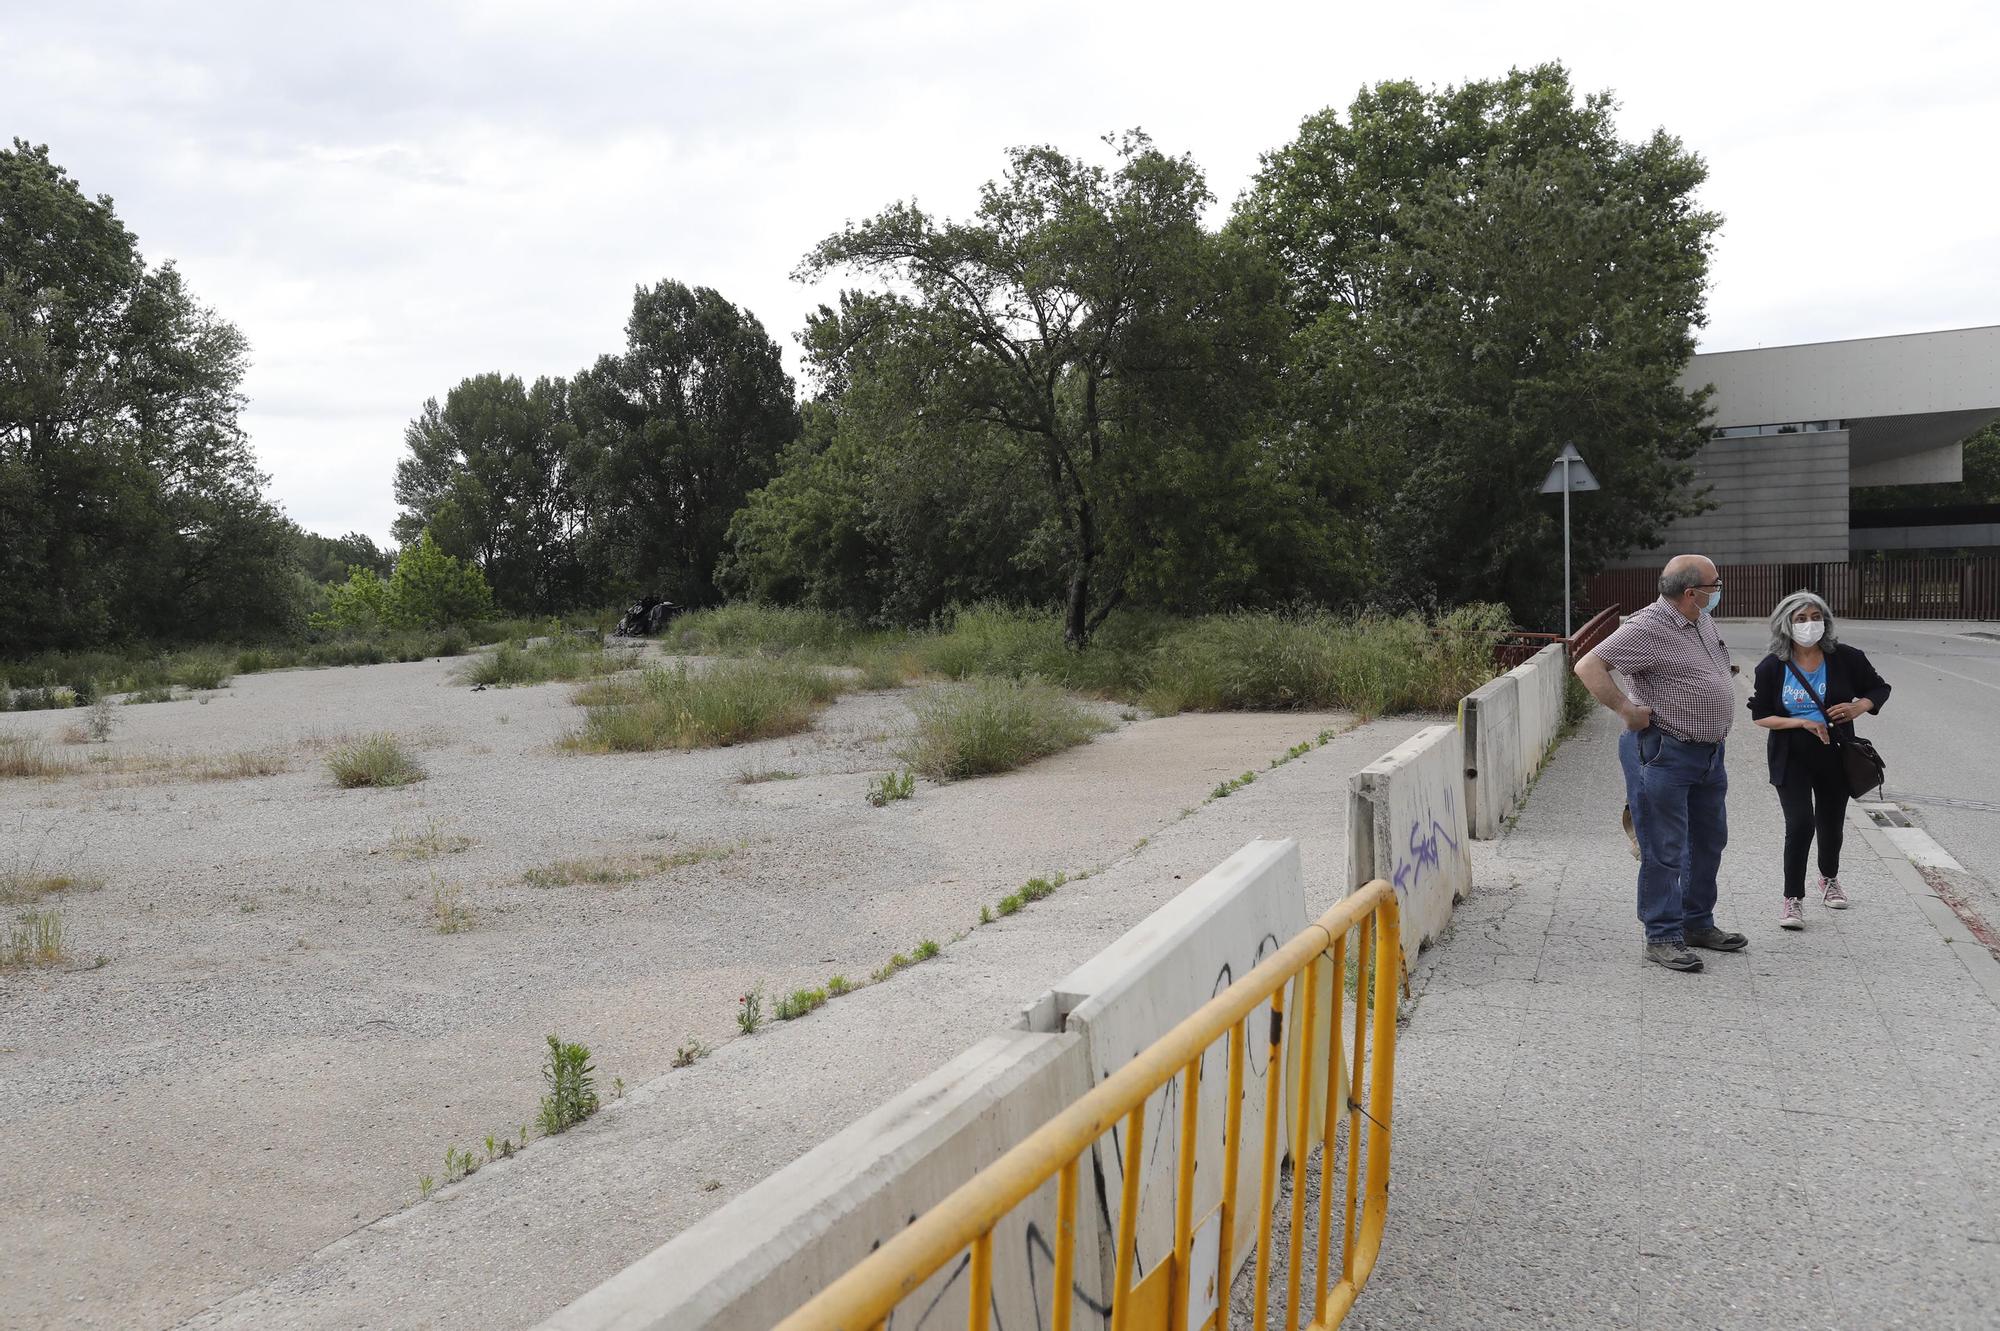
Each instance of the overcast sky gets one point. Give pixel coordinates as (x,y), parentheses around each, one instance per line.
(387,198)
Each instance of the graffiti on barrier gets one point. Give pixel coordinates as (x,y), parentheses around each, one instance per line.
(1424,849)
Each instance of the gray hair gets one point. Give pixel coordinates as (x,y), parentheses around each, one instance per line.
(1675,581)
(1781,624)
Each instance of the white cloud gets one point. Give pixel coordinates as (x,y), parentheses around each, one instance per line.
(387,198)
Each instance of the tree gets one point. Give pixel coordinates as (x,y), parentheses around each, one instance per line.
(689,420)
(431,589)
(130,504)
(329,559)
(1083,325)
(499,474)
(1477,276)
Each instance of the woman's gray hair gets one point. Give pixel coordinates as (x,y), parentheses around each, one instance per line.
(1781,624)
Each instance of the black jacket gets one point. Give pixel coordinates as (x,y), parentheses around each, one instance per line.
(1848,676)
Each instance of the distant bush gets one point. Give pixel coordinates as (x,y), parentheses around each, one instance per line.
(379,760)
(678,708)
(993,725)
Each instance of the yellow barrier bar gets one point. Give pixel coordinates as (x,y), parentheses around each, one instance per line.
(1267,1174)
(1177,1294)
(864,1296)
(1232,1147)
(979,1315)
(1128,1217)
(1329,1126)
(1301,1130)
(1361,959)
(1065,1247)
(1382,1094)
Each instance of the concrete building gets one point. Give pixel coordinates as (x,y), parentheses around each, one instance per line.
(1799,428)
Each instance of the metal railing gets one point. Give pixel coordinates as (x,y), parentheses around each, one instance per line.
(864,1298)
(1893,587)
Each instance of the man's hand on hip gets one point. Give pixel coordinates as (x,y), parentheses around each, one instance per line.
(1637,716)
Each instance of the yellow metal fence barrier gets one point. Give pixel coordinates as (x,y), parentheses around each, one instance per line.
(866,1296)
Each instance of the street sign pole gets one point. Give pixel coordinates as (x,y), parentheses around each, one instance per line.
(1561,477)
(1567,583)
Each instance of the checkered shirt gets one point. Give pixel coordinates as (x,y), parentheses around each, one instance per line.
(1678,669)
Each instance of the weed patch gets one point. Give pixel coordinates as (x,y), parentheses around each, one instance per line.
(565,657)
(750,1011)
(837,986)
(792,1006)
(450,912)
(890,787)
(25,886)
(609,869)
(572,1088)
(428,844)
(378,760)
(22,757)
(36,939)
(1225,789)
(993,725)
(730,703)
(758,776)
(687,1054)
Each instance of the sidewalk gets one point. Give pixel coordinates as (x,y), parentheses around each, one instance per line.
(1804,1135)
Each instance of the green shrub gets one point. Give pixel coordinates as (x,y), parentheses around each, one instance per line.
(890,787)
(201,670)
(564,658)
(378,760)
(677,708)
(572,1089)
(924,951)
(746,629)
(254,660)
(993,725)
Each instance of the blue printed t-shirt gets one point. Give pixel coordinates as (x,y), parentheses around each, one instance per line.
(1797,701)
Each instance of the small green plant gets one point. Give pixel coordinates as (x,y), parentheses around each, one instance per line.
(572,1090)
(378,760)
(1231,786)
(458,1164)
(986,914)
(792,1006)
(750,1011)
(891,786)
(1038,889)
(687,1055)
(618,1088)
(425,1185)
(837,986)
(103,719)
(36,940)
(1011,903)
(924,951)
(491,1147)
(449,912)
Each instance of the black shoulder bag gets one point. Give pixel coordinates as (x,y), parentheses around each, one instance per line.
(1864,767)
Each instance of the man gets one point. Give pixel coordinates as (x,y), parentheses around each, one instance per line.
(1672,753)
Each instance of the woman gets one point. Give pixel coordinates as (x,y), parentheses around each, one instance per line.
(1804,744)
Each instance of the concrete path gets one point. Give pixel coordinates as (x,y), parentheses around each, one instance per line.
(1802,1136)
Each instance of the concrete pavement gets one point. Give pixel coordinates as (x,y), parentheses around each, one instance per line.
(1801,1136)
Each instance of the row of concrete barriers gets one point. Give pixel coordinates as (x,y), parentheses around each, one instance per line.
(757,1258)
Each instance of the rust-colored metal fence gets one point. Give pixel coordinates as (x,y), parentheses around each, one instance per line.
(1961,587)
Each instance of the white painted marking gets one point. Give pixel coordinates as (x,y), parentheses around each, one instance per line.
(1920,848)
(1925,665)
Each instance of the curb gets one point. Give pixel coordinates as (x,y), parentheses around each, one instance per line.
(1983,966)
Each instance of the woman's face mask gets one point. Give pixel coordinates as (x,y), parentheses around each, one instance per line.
(1806,632)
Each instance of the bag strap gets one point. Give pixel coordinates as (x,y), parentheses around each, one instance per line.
(1832,726)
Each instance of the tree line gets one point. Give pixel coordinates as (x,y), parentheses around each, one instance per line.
(1082,395)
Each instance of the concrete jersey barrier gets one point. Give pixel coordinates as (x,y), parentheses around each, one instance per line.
(1406,823)
(1140,987)
(1509,726)
(755,1260)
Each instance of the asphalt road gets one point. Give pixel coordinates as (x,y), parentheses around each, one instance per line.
(1940,733)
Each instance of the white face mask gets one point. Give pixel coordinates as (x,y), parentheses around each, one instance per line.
(1807,632)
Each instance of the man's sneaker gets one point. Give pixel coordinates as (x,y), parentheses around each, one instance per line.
(1830,892)
(1716,940)
(1673,954)
(1792,915)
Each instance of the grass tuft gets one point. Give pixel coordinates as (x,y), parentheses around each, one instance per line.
(378,760)
(35,940)
(450,913)
(890,787)
(565,657)
(604,870)
(429,843)
(993,725)
(732,702)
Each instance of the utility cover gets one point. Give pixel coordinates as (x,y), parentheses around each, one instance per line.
(1579,473)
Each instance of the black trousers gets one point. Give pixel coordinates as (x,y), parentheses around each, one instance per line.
(1814,798)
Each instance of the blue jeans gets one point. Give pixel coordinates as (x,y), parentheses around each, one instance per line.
(1677,791)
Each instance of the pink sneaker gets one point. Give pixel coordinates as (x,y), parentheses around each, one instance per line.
(1792,915)
(1831,893)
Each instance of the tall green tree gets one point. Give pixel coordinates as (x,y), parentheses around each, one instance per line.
(691,418)
(1475,276)
(130,503)
(500,474)
(1083,325)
